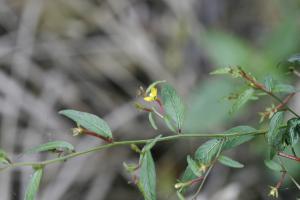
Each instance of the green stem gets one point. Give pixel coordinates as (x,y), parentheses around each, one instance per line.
(294,152)
(129,142)
(289,175)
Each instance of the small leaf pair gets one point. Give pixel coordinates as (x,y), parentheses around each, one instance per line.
(207,152)
(172,107)
(55,146)
(273,86)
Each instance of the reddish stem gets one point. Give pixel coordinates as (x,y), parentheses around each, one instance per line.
(196,180)
(280,182)
(260,86)
(285,101)
(281,105)
(253,81)
(109,140)
(161,108)
(289,156)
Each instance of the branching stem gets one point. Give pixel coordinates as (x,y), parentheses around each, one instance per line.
(128,143)
(261,87)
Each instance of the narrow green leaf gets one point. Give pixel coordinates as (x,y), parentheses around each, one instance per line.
(153,85)
(34,184)
(193,166)
(207,151)
(284,88)
(232,142)
(269,83)
(188,175)
(50,146)
(148,177)
(292,132)
(173,105)
(230,162)
(245,96)
(273,135)
(151,120)
(179,195)
(294,58)
(273,165)
(223,70)
(151,144)
(4,158)
(234,71)
(169,125)
(271,153)
(89,121)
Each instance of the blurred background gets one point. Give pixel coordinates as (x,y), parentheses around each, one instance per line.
(92,55)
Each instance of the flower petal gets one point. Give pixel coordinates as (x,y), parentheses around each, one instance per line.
(149,98)
(153,92)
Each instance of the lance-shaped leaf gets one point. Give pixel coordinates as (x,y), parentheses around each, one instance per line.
(222,70)
(292,134)
(234,141)
(230,142)
(34,184)
(89,121)
(4,158)
(51,146)
(234,71)
(208,151)
(294,58)
(147,180)
(179,195)
(284,88)
(230,162)
(169,125)
(273,165)
(274,137)
(269,83)
(173,105)
(151,120)
(192,164)
(243,98)
(188,175)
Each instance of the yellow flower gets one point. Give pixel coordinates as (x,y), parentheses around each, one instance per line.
(273,192)
(152,96)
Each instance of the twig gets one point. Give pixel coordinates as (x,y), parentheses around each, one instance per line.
(261,87)
(208,171)
(280,106)
(280,182)
(289,156)
(129,142)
